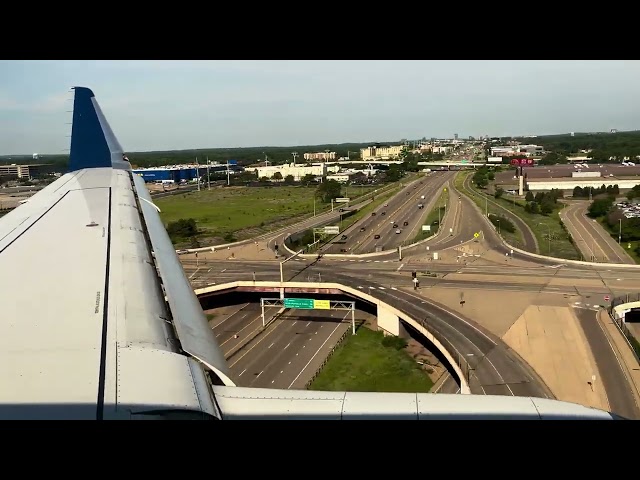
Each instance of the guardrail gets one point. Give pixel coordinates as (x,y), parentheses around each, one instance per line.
(328,357)
(627,335)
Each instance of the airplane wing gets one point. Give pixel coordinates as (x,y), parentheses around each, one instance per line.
(100,322)
(98,318)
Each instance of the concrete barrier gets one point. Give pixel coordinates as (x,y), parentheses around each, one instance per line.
(454,357)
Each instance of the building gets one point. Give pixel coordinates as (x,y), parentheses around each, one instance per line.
(526,150)
(382,152)
(298,171)
(175,173)
(320,156)
(24,171)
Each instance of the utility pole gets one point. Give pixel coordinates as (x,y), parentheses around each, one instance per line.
(228,178)
(198,172)
(620,232)
(295,154)
(208,175)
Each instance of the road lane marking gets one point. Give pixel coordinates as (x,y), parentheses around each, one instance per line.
(399,268)
(317,351)
(242,372)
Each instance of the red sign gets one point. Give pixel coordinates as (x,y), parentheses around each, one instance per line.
(522,162)
(607,298)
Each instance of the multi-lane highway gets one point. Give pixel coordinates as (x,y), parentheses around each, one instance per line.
(288,352)
(594,243)
(400,209)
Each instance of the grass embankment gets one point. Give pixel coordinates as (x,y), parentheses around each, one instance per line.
(542,226)
(244,212)
(364,364)
(434,218)
(629,247)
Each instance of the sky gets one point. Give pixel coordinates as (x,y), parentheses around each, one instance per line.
(187,104)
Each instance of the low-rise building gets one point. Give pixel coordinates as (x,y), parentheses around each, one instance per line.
(298,171)
(320,156)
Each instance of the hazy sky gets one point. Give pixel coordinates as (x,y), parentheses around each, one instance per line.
(162,105)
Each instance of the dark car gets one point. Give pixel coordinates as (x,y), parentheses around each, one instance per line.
(383,213)
(376,237)
(373,214)
(395,225)
(405,223)
(344,237)
(362,229)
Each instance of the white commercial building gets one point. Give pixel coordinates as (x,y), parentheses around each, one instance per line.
(320,156)
(383,152)
(298,171)
(340,177)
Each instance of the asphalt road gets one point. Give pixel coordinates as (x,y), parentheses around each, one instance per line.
(595,244)
(401,207)
(528,238)
(289,352)
(613,379)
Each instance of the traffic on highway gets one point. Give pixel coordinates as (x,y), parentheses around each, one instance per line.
(394,223)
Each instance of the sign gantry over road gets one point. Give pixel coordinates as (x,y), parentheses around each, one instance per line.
(310,304)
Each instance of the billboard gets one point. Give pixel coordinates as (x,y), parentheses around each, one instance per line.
(332,229)
(232,162)
(522,162)
(342,200)
(494,159)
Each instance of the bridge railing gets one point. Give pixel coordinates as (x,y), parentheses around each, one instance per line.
(628,298)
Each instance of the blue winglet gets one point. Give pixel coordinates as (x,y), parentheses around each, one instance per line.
(93,144)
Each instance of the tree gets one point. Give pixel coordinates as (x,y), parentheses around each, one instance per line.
(600,207)
(277,176)
(499,192)
(328,190)
(529,196)
(289,179)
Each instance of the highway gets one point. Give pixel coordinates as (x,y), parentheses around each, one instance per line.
(530,243)
(289,351)
(595,244)
(612,376)
(400,208)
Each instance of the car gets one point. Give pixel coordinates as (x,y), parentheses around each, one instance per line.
(362,229)
(344,237)
(373,214)
(386,205)
(395,225)
(405,223)
(398,231)
(383,213)
(376,236)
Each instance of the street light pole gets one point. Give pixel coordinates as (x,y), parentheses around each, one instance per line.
(620,233)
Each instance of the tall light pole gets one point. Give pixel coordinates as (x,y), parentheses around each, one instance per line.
(295,154)
(620,232)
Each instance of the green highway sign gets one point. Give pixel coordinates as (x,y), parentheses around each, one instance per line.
(306,303)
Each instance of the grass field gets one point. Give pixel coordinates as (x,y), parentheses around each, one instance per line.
(433,216)
(363,364)
(245,212)
(614,234)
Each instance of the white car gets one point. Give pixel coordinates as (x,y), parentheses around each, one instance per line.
(398,231)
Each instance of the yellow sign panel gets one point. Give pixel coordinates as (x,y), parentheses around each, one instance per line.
(476,235)
(321,304)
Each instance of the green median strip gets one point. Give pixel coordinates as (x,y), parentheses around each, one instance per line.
(371,362)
